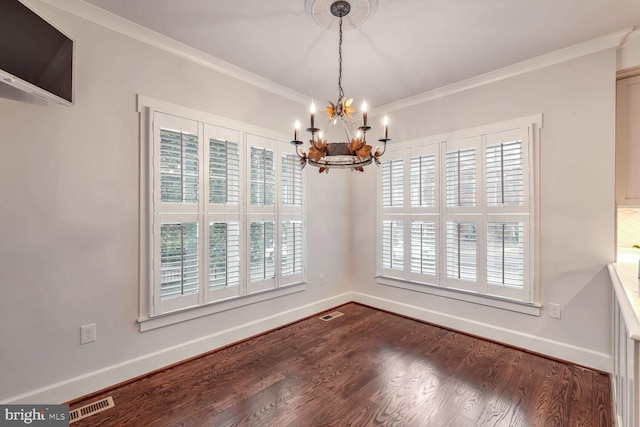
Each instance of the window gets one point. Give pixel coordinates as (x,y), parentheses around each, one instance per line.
(225,211)
(457,212)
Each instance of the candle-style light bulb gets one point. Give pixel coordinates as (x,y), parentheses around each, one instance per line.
(363,107)
(312,110)
(320,136)
(385,123)
(296,128)
(358,134)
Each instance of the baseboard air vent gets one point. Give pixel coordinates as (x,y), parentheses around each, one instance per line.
(91,409)
(330,316)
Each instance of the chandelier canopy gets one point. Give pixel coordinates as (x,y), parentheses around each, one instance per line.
(355,153)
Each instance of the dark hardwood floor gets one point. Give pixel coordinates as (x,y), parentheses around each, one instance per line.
(365,368)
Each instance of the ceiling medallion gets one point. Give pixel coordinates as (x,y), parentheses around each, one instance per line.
(355,153)
(320,11)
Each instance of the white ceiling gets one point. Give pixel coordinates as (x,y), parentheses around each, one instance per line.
(405,48)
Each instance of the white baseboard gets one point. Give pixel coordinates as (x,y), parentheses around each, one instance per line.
(106,377)
(82,385)
(555,349)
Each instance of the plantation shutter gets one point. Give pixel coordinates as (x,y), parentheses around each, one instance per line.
(176,195)
(423,181)
(224,172)
(179,166)
(423,247)
(261,214)
(291,180)
(508,244)
(179,259)
(461,214)
(291,248)
(291,218)
(461,177)
(224,254)
(263,231)
(505,174)
(223,211)
(262,250)
(223,229)
(462,250)
(393,245)
(263,177)
(505,253)
(392,183)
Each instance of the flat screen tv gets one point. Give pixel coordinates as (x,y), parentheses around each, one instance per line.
(35,56)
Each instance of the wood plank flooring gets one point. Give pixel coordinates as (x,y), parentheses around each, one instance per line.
(366,368)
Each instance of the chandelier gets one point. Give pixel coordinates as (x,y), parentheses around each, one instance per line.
(355,153)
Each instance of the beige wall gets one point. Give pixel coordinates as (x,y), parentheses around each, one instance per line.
(577,100)
(70,210)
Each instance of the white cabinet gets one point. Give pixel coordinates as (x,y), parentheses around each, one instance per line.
(628,142)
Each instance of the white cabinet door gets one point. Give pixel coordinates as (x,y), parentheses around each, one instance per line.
(628,142)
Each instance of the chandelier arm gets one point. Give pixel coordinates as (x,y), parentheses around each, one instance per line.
(384,146)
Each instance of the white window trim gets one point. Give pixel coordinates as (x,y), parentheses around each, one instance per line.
(206,306)
(533,309)
(406,280)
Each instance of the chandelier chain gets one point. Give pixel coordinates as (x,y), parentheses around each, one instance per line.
(340,93)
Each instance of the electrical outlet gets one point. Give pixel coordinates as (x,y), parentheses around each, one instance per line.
(554,310)
(322,279)
(87,333)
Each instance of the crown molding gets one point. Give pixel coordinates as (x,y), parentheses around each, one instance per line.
(610,41)
(110,21)
(628,60)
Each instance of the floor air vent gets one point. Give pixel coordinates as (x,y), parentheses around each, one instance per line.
(91,409)
(330,316)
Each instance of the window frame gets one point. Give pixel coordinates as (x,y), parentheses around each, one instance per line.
(155,312)
(480,292)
